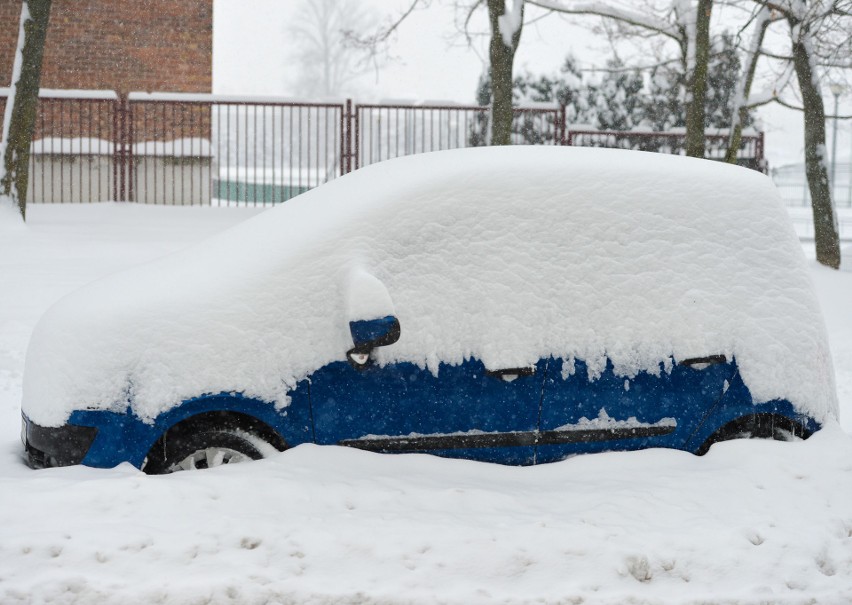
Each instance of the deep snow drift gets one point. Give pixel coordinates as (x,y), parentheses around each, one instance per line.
(507,255)
(751,523)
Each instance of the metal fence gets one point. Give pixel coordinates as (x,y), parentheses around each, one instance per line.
(194,149)
(187,149)
(383,132)
(793,184)
(750,152)
(74,155)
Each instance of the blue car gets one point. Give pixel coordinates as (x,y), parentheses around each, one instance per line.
(516,306)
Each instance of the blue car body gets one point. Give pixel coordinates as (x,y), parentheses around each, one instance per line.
(516,416)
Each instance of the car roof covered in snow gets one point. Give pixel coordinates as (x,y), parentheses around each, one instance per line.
(506,254)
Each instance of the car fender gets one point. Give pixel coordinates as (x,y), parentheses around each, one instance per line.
(125,437)
(737,403)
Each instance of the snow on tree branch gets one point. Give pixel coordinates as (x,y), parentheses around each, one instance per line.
(602,9)
(510,22)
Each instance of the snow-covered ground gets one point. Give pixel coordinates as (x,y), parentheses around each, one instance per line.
(751,522)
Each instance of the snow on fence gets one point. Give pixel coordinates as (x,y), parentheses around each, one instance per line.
(189,149)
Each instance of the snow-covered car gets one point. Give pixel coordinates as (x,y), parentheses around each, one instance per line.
(514,305)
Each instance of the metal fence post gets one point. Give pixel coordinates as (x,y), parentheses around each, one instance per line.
(128,150)
(356,151)
(121,150)
(116,148)
(348,136)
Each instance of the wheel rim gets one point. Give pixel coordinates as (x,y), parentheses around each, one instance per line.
(210,457)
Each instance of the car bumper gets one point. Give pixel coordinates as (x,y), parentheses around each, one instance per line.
(55,446)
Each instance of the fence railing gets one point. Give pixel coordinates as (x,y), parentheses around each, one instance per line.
(387,131)
(73,157)
(191,149)
(793,184)
(750,152)
(183,149)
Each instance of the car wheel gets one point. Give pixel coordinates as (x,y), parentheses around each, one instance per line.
(211,449)
(761,426)
(208,442)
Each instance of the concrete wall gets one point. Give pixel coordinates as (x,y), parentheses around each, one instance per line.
(70,178)
(76,178)
(173,181)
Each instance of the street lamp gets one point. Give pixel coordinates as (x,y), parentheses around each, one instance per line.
(837,90)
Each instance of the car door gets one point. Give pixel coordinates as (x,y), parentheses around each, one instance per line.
(460,411)
(605,411)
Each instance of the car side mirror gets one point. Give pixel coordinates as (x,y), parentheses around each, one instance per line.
(372,319)
(369,334)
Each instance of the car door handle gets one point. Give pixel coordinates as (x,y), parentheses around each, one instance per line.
(509,374)
(700,363)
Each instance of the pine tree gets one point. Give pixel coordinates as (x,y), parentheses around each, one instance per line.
(724,71)
(617,99)
(664,105)
(620,100)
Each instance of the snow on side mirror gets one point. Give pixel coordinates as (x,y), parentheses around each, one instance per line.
(372,319)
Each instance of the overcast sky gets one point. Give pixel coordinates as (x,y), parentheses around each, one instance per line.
(251,55)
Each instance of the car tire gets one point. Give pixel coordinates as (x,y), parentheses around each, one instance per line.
(208,447)
(761,426)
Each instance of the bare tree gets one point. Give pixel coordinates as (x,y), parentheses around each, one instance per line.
(506,30)
(20,115)
(505,25)
(698,54)
(686,22)
(322,32)
(819,33)
(763,18)
(805,22)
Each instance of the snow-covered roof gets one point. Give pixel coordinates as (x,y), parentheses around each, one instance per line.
(503,254)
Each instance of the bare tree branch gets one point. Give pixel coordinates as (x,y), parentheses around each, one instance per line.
(382,35)
(601,9)
(467,19)
(828,116)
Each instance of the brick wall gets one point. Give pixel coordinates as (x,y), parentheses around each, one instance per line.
(122,45)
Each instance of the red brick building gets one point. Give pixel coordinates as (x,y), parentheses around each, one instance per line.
(121,45)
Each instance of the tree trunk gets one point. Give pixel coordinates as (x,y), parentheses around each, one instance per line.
(502,60)
(698,82)
(825,224)
(741,112)
(24,101)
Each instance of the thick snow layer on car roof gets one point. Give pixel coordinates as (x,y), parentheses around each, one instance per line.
(503,254)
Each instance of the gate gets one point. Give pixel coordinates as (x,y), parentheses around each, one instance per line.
(199,149)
